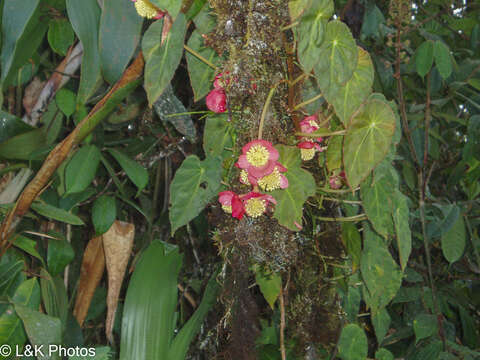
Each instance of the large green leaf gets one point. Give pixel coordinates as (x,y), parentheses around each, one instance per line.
(352,344)
(148,320)
(424,325)
(347,98)
(41,330)
(353,243)
(22,32)
(217,136)
(168,107)
(368,140)
(81,169)
(381,323)
(384,354)
(194,185)
(171,6)
(338,56)
(179,347)
(453,241)
(11,328)
(60,254)
(334,153)
(270,284)
(21,146)
(301,185)
(402,228)
(424,58)
(136,172)
(119,24)
(377,200)
(11,126)
(311,32)
(162,60)
(201,75)
(380,272)
(55,213)
(85,18)
(104,212)
(443,59)
(60,35)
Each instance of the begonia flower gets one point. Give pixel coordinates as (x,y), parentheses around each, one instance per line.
(231,204)
(217,100)
(256,204)
(147,10)
(309,146)
(258,158)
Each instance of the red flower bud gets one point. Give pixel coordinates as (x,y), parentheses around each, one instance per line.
(217,100)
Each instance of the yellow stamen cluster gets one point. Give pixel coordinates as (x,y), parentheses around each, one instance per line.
(255,207)
(146,9)
(244,177)
(313,123)
(258,155)
(227,208)
(307,154)
(270,182)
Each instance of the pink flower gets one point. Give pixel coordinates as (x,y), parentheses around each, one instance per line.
(309,146)
(335,182)
(231,204)
(219,82)
(308,149)
(256,204)
(258,158)
(275,180)
(217,100)
(309,124)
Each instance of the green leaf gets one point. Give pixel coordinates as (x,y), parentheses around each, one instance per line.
(353,243)
(334,153)
(347,98)
(136,172)
(376,193)
(168,106)
(180,344)
(65,100)
(194,185)
(352,344)
(311,32)
(9,272)
(162,60)
(424,58)
(217,136)
(85,17)
(11,328)
(338,56)
(81,169)
(443,60)
(104,213)
(383,354)
(296,8)
(438,227)
(402,227)
(60,254)
(27,245)
(171,6)
(11,126)
(381,323)
(101,353)
(22,32)
(270,285)
(54,294)
(21,146)
(60,35)
(380,272)
(150,304)
(55,213)
(119,24)
(301,185)
(424,325)
(41,329)
(201,75)
(454,241)
(368,140)
(205,21)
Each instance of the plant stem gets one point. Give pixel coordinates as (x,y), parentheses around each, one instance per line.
(356,202)
(317,134)
(282,324)
(309,101)
(264,111)
(355,218)
(200,57)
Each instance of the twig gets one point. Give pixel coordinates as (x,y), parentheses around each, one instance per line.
(309,101)
(200,57)
(265,108)
(187,295)
(282,324)
(318,134)
(341,200)
(355,218)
